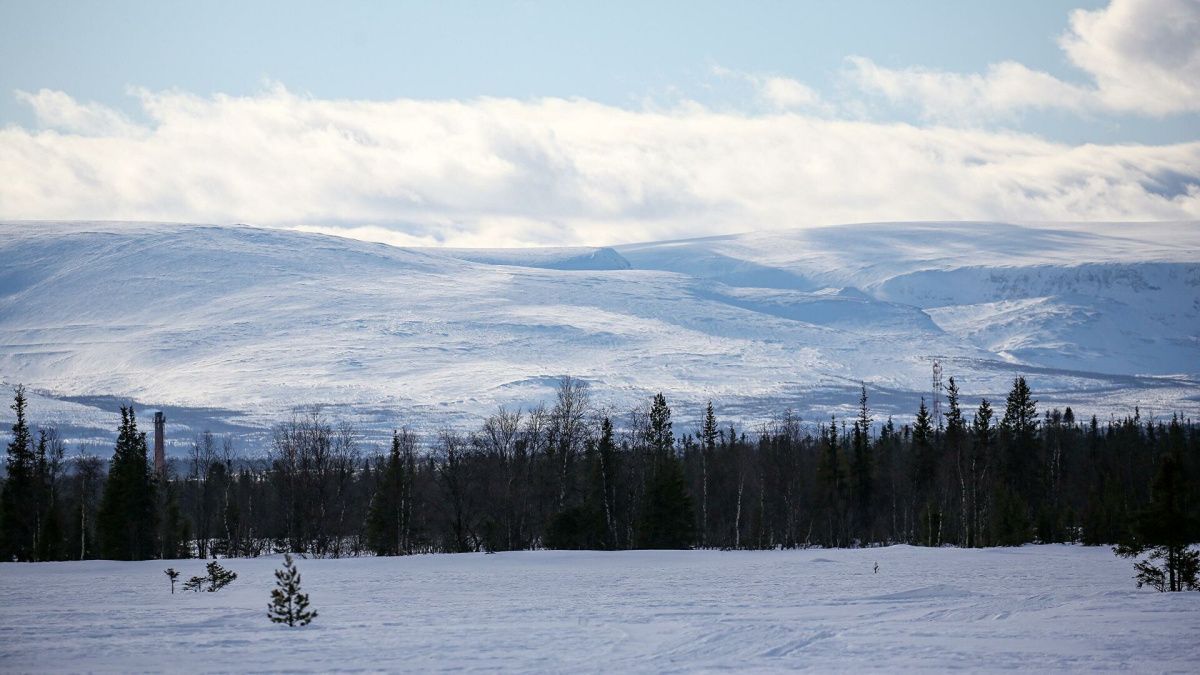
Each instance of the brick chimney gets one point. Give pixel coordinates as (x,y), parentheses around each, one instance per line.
(160,452)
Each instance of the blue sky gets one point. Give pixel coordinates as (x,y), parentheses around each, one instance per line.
(75,71)
(616,53)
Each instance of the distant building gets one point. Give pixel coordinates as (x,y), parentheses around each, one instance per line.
(160,452)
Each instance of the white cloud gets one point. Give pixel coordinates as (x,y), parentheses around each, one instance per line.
(787,94)
(57,110)
(497,171)
(1142,56)
(777,92)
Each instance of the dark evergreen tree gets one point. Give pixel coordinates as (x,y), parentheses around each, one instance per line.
(126,519)
(667,517)
(956,440)
(18,510)
(708,448)
(862,465)
(385,520)
(982,433)
(924,471)
(1020,476)
(660,437)
(218,577)
(288,605)
(1166,529)
(174,531)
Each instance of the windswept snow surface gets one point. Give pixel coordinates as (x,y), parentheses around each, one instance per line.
(1036,608)
(235,327)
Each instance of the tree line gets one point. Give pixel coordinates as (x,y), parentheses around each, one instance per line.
(572,475)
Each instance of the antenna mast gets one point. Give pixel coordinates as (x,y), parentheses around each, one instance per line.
(937,394)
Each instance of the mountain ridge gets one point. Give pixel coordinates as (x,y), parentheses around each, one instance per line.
(264,321)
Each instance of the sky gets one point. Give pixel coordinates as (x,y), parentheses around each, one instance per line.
(592,123)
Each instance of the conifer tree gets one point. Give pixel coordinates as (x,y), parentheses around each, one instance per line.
(980,458)
(667,518)
(218,576)
(924,473)
(1166,528)
(385,518)
(862,463)
(659,434)
(956,445)
(126,518)
(708,448)
(18,522)
(1019,469)
(288,604)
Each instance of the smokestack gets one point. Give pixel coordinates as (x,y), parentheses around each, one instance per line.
(160,452)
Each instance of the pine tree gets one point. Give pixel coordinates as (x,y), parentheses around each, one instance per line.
(980,459)
(659,435)
(1166,528)
(1019,477)
(862,464)
(18,522)
(708,448)
(218,577)
(956,444)
(174,534)
(385,517)
(924,473)
(126,518)
(172,574)
(667,517)
(288,604)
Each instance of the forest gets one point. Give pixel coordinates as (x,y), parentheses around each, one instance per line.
(569,476)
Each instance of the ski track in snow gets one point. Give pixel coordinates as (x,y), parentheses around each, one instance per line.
(232,328)
(1034,608)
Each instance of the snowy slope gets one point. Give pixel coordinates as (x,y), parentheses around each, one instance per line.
(1033,609)
(236,326)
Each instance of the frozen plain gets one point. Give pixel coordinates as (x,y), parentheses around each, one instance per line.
(1034,608)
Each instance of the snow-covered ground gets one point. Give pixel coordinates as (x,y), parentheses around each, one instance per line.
(231,328)
(1036,608)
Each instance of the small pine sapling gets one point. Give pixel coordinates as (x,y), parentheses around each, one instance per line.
(194,584)
(172,574)
(218,577)
(288,604)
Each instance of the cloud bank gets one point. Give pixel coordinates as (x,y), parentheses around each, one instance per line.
(498,171)
(506,172)
(1141,56)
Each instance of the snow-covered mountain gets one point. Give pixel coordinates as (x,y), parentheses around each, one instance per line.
(233,327)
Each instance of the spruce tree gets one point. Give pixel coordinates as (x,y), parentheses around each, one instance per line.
(982,432)
(18,512)
(667,517)
(924,473)
(218,577)
(288,604)
(384,519)
(1020,477)
(660,437)
(862,464)
(1166,528)
(708,448)
(126,519)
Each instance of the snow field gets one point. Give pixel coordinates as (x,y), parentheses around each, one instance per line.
(1035,608)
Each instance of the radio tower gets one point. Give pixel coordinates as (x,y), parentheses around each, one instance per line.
(937,394)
